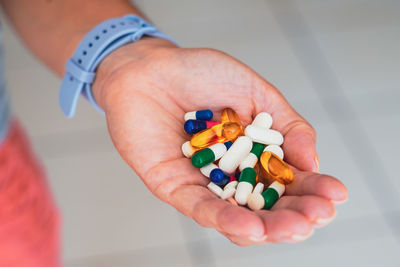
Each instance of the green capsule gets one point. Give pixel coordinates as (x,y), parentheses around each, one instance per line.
(257,149)
(270,196)
(248,175)
(203,158)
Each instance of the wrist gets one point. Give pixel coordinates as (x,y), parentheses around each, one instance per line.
(123,61)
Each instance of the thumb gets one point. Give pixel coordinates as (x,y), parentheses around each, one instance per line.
(299,136)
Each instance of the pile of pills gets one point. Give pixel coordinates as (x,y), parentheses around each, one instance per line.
(240,163)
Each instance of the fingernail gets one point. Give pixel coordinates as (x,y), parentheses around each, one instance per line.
(302,237)
(321,222)
(316,161)
(258,239)
(337,202)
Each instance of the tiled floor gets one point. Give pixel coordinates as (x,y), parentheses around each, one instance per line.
(337,62)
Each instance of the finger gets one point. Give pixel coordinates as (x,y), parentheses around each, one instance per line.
(319,211)
(285,226)
(306,183)
(210,211)
(300,137)
(184,187)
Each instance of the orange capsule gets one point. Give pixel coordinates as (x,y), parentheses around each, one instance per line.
(229,115)
(274,169)
(219,133)
(257,168)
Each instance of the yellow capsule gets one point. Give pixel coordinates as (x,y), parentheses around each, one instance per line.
(219,133)
(274,169)
(257,168)
(229,115)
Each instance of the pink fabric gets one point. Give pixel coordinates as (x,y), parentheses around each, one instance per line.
(29,219)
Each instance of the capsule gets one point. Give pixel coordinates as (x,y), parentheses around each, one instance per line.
(252,157)
(274,169)
(204,115)
(266,199)
(263,135)
(229,115)
(215,189)
(219,133)
(206,170)
(263,120)
(188,150)
(210,154)
(259,188)
(245,186)
(221,178)
(272,194)
(195,126)
(227,193)
(231,184)
(277,150)
(234,156)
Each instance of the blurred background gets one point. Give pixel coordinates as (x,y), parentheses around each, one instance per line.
(337,62)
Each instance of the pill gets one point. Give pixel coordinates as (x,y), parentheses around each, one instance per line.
(263,135)
(215,189)
(274,169)
(259,188)
(252,157)
(255,201)
(272,194)
(206,170)
(220,178)
(219,133)
(204,115)
(235,154)
(263,120)
(245,185)
(227,193)
(188,150)
(277,150)
(231,184)
(210,154)
(229,115)
(195,126)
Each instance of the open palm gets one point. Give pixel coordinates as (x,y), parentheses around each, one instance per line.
(145,100)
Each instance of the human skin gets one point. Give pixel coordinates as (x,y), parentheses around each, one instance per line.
(146,87)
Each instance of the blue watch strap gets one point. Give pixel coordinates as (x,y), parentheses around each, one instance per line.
(97,44)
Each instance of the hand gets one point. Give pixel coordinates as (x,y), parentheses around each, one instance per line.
(145,89)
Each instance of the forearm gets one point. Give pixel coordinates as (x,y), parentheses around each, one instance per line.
(52,29)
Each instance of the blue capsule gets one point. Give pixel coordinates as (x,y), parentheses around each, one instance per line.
(204,115)
(219,177)
(195,126)
(228,144)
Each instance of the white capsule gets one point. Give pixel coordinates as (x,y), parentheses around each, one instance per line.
(264,136)
(280,188)
(219,150)
(232,184)
(258,189)
(255,201)
(188,150)
(206,170)
(249,161)
(227,193)
(215,189)
(277,150)
(190,115)
(236,153)
(243,191)
(263,120)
